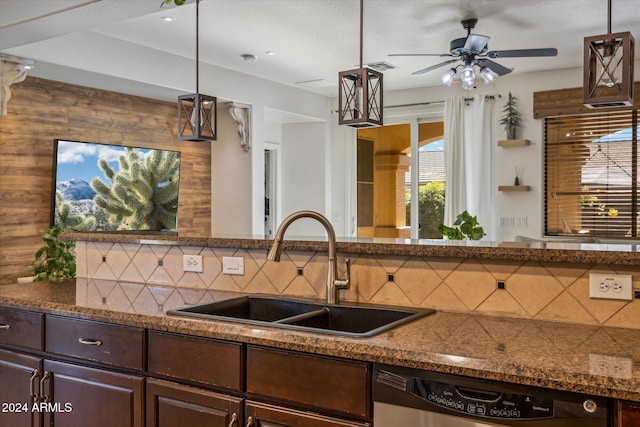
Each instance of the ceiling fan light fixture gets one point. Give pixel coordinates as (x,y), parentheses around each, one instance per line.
(449,76)
(468,86)
(488,75)
(467,75)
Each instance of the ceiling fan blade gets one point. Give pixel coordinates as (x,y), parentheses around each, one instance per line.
(419,54)
(476,43)
(493,66)
(434,67)
(522,53)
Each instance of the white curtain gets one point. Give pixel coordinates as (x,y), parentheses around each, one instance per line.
(455,186)
(469,161)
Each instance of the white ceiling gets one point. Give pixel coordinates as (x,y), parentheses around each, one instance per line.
(313,39)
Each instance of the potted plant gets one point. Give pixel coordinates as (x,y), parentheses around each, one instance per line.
(56,259)
(511,119)
(177,2)
(465,226)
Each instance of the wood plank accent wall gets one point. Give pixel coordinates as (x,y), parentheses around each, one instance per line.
(564,102)
(42,110)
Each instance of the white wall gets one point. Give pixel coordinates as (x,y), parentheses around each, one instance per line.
(303,174)
(231,180)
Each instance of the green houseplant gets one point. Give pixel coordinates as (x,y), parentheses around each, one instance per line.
(465,226)
(56,259)
(512,118)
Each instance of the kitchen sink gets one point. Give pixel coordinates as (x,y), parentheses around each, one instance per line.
(345,319)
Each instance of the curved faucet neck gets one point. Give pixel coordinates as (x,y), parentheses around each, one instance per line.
(333,283)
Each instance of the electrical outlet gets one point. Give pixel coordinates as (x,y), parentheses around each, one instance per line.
(609,366)
(192,263)
(233,265)
(610,286)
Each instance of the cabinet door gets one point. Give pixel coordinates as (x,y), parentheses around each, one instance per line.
(263,415)
(628,414)
(175,405)
(19,376)
(80,396)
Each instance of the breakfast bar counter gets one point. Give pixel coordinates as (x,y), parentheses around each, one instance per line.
(596,360)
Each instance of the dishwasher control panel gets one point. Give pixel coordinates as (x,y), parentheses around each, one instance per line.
(425,395)
(482,403)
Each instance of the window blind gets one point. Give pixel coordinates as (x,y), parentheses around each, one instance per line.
(591,175)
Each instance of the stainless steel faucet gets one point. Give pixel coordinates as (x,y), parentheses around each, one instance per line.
(334,284)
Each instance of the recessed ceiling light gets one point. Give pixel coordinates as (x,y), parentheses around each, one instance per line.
(249,57)
(270,53)
(168,18)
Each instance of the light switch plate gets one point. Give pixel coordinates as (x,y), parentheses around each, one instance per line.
(610,286)
(233,265)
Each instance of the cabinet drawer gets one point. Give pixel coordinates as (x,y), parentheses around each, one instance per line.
(314,381)
(100,342)
(265,415)
(199,360)
(21,328)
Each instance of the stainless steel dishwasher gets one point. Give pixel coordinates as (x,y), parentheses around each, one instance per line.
(411,397)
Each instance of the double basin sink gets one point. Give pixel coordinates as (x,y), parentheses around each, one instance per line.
(263,310)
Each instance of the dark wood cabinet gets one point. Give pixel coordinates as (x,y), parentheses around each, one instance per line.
(171,404)
(323,383)
(83,396)
(628,414)
(100,342)
(208,362)
(264,415)
(19,381)
(21,328)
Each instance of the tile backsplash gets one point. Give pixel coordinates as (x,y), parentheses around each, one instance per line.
(150,278)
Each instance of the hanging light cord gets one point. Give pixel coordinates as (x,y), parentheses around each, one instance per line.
(609,18)
(361,30)
(197,50)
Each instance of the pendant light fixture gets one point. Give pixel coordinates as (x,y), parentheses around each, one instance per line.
(197,115)
(608,69)
(360,93)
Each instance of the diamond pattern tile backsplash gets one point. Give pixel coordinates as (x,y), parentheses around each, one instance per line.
(149,279)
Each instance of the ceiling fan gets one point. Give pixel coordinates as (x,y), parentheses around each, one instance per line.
(472,51)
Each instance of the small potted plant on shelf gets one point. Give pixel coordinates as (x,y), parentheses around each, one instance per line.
(511,119)
(56,259)
(465,226)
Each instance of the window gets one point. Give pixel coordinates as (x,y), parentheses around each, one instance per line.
(591,175)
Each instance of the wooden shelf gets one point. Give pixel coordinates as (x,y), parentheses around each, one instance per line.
(514,188)
(513,142)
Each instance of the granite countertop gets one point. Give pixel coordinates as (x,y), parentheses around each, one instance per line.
(592,253)
(595,360)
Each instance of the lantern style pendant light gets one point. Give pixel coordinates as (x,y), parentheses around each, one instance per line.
(197,115)
(608,69)
(360,93)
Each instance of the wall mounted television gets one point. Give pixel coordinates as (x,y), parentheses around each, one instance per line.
(112,188)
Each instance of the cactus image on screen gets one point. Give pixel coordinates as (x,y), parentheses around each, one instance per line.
(143,192)
(66,218)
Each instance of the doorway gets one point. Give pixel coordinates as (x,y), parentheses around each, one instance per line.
(270,191)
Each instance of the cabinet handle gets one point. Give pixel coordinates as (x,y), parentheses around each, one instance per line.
(46,376)
(249,422)
(32,385)
(234,420)
(5,326)
(87,341)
